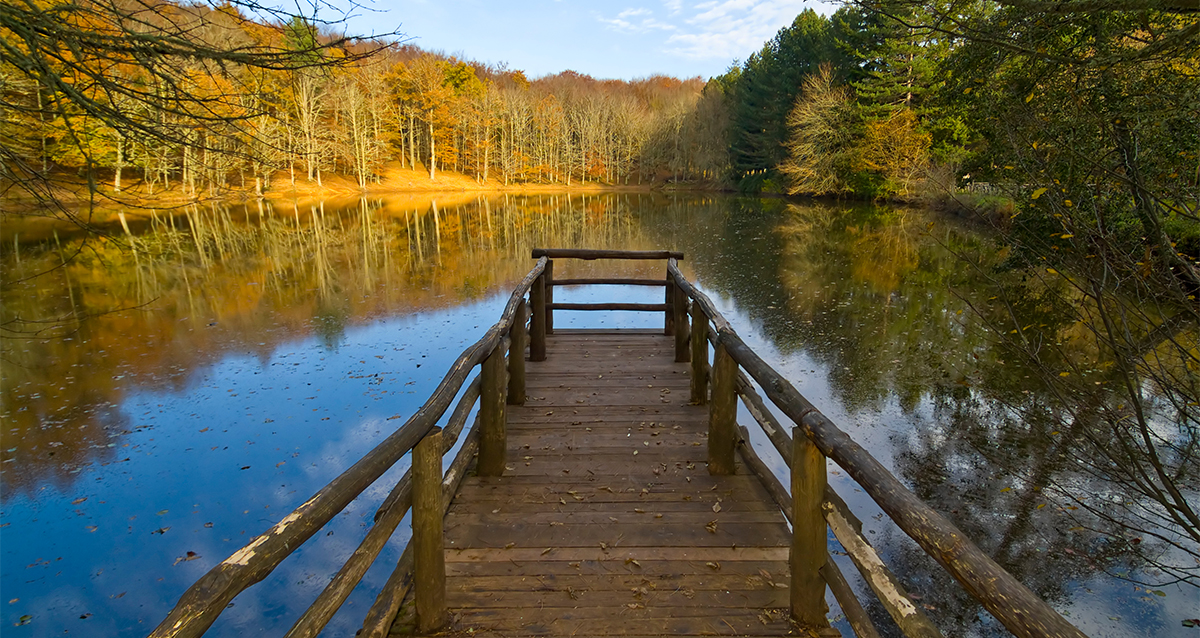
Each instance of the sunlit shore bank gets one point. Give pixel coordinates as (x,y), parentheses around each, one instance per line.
(414,187)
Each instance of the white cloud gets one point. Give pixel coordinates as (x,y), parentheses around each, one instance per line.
(639,20)
(728,29)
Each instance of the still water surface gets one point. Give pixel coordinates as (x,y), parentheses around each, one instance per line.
(164,404)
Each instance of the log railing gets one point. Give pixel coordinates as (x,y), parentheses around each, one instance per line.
(424,489)
(811,504)
(541,295)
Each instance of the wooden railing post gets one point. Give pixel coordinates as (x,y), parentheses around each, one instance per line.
(809,548)
(537,320)
(492,437)
(722,414)
(549,287)
(429,560)
(669,315)
(516,357)
(683,352)
(699,355)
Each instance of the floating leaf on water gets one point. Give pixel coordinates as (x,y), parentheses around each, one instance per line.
(1158,592)
(79,500)
(23,620)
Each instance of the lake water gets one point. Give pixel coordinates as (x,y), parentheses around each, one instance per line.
(163,404)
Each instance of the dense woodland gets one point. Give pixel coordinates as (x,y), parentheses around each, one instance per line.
(319,106)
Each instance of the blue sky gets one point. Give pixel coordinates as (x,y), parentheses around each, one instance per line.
(604,39)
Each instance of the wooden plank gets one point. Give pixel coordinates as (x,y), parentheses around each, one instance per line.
(715,555)
(731,571)
(638,531)
(669,582)
(571,621)
(622,512)
(583,595)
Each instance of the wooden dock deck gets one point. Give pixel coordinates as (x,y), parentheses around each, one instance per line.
(604,503)
(606,521)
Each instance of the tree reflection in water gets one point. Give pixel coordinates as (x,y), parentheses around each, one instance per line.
(895,323)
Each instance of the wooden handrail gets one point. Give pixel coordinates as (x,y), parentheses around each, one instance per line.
(1006,598)
(387,519)
(609,281)
(201,604)
(643,307)
(590,254)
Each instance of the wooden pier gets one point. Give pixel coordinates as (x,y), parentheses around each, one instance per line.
(606,520)
(606,488)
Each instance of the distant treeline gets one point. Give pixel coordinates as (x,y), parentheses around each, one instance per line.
(880,99)
(306,104)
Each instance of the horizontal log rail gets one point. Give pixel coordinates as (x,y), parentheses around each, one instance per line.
(643,307)
(202,603)
(611,281)
(590,254)
(1016,607)
(541,296)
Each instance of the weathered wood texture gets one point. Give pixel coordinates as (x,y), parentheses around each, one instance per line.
(637,307)
(606,520)
(610,281)
(429,556)
(586,253)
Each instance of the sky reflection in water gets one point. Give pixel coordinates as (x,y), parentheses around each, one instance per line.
(143,446)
